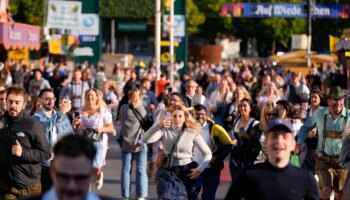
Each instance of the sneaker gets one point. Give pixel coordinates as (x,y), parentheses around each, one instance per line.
(99,182)
(141,198)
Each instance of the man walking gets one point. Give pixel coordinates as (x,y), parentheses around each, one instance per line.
(71,170)
(22,147)
(56,126)
(331,122)
(220,145)
(76,90)
(276,178)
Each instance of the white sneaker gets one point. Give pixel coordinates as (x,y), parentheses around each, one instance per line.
(141,198)
(99,182)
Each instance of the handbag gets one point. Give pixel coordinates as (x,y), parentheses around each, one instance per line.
(169,186)
(146,123)
(92,134)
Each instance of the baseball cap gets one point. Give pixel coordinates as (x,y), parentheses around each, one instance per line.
(279,124)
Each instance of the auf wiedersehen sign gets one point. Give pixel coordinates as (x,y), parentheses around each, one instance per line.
(285,10)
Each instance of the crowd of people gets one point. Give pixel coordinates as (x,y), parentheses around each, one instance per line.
(256,115)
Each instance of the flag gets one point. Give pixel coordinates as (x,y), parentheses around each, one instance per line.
(332,43)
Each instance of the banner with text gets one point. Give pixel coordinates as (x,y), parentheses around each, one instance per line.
(285,10)
(64,14)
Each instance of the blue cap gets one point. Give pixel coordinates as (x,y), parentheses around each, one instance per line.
(279,124)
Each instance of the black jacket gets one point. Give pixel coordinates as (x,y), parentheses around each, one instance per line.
(24,171)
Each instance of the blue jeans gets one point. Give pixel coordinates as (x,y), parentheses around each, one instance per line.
(209,180)
(141,174)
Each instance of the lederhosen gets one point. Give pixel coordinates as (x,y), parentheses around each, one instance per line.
(77,96)
(327,166)
(331,135)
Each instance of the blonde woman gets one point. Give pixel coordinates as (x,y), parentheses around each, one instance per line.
(131,132)
(269,113)
(95,115)
(180,124)
(268,93)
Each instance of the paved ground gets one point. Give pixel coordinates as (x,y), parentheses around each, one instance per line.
(112,179)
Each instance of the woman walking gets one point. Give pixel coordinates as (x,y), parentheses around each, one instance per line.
(178,135)
(131,132)
(94,115)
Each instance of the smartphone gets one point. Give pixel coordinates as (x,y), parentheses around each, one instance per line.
(242,129)
(170,90)
(76,114)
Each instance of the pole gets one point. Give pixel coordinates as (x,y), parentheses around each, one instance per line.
(157,39)
(171,42)
(309,31)
(112,36)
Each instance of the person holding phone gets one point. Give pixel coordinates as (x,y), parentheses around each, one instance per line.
(95,115)
(56,126)
(246,141)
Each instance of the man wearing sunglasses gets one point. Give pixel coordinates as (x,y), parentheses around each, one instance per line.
(220,145)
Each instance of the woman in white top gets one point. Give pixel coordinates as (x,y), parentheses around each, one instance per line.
(218,101)
(268,93)
(95,115)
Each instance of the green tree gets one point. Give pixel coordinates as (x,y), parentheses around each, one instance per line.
(194,17)
(132,9)
(27,11)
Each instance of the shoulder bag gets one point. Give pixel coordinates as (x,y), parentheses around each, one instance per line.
(169,186)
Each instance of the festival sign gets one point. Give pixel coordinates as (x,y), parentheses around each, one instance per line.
(285,10)
(64,14)
(17,35)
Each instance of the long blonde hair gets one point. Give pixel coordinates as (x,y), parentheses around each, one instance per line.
(99,103)
(134,97)
(269,105)
(189,121)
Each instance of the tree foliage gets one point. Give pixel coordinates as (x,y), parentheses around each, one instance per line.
(134,9)
(194,17)
(27,11)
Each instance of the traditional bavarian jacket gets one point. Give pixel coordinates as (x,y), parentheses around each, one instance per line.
(329,130)
(76,91)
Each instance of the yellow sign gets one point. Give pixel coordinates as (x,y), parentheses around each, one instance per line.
(55,47)
(347,54)
(165,57)
(167,44)
(167,3)
(18,55)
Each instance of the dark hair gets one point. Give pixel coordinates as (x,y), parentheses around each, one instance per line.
(37,70)
(199,107)
(144,80)
(42,91)
(17,90)
(74,146)
(288,106)
(255,112)
(319,93)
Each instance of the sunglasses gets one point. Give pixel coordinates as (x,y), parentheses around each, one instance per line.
(271,114)
(200,114)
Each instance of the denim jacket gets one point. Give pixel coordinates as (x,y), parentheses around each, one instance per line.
(57,120)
